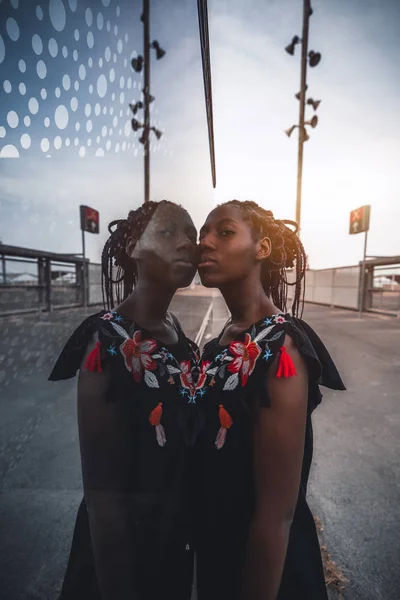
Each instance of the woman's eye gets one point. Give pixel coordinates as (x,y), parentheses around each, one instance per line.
(226,232)
(166,232)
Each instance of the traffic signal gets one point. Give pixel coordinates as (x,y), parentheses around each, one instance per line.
(90,219)
(359,219)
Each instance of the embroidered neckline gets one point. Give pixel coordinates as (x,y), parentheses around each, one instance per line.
(266,321)
(116,317)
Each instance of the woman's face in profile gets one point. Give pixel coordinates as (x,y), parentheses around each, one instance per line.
(227,248)
(167,251)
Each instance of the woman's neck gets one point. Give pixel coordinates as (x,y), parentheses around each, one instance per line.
(247,301)
(148,303)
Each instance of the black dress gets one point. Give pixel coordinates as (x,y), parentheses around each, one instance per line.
(151,391)
(232,379)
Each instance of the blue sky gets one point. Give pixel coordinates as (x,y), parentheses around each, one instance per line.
(351,158)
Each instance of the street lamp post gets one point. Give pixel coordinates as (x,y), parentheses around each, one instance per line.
(313,60)
(139,63)
(146,55)
(303,84)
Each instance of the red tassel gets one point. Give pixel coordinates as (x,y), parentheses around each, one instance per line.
(286,367)
(93,362)
(156,414)
(155,420)
(224,417)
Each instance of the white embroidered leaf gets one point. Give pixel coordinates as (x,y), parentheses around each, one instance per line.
(173,370)
(263,333)
(228,358)
(151,379)
(276,336)
(156,356)
(120,330)
(212,371)
(231,382)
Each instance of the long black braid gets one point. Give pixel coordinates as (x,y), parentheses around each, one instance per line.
(287,252)
(115,262)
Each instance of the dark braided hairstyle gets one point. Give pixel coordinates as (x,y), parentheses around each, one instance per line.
(287,252)
(114,253)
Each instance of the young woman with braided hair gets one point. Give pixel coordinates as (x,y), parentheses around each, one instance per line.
(255,537)
(132,533)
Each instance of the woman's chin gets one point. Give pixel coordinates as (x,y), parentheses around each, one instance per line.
(208,280)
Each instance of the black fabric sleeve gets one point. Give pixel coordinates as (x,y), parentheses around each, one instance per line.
(69,361)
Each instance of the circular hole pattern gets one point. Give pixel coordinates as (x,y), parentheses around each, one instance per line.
(89,17)
(102,86)
(45,145)
(57,142)
(27,121)
(74,104)
(12,29)
(21,65)
(22,89)
(47,122)
(82,72)
(65,51)
(61,116)
(9,151)
(33,106)
(43,94)
(100,21)
(57,92)
(66,82)
(39,13)
(53,47)
(57,14)
(25,141)
(41,69)
(12,119)
(37,44)
(90,40)
(7,86)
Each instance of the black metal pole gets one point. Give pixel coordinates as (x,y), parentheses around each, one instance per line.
(83,282)
(146,65)
(303,86)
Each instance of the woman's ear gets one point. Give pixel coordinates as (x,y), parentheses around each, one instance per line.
(264,248)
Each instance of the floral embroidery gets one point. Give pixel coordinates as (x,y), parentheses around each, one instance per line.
(137,356)
(235,364)
(108,316)
(203,374)
(112,350)
(246,354)
(186,376)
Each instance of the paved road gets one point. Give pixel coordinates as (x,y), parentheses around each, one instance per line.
(355,486)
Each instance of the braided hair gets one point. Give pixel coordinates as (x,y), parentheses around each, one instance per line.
(114,253)
(287,252)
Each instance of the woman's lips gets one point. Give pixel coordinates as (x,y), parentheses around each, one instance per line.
(206,262)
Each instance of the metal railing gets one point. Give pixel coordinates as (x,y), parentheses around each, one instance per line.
(33,280)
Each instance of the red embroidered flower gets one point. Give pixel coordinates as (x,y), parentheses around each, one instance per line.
(280,319)
(186,375)
(107,317)
(203,375)
(246,354)
(136,354)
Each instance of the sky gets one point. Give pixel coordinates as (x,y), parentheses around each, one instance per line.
(64,62)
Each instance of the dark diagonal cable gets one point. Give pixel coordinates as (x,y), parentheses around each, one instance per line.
(206,61)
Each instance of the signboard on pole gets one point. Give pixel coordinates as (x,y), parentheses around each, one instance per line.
(359,219)
(90,219)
